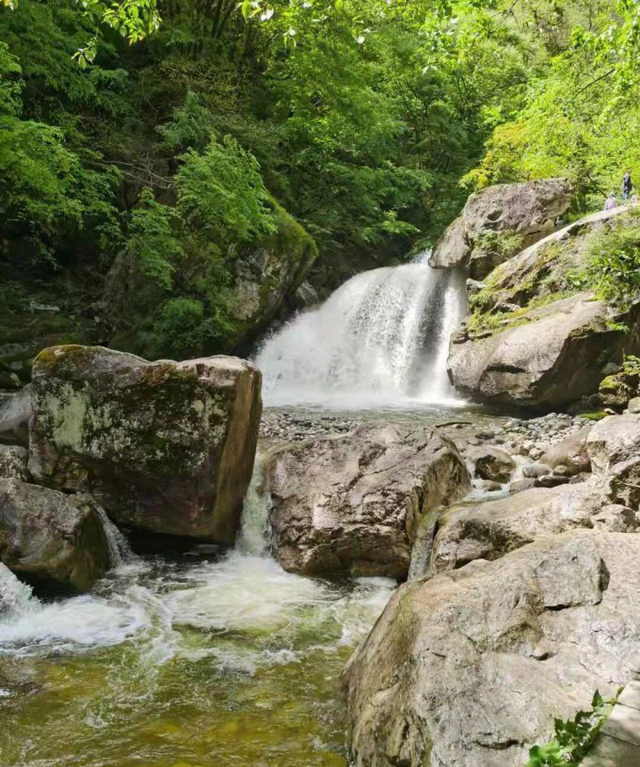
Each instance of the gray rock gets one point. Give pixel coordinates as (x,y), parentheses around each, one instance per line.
(527,209)
(353,504)
(490,529)
(491,463)
(470,667)
(13,462)
(551,358)
(15,412)
(552,480)
(613,446)
(570,452)
(521,484)
(616,519)
(50,539)
(634,405)
(162,446)
(535,470)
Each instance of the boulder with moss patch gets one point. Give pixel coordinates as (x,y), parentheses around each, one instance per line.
(541,335)
(268,275)
(163,446)
(500,220)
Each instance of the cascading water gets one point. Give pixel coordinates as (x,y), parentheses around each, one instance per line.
(381,339)
(224,660)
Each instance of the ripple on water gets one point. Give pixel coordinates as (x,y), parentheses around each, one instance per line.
(232,662)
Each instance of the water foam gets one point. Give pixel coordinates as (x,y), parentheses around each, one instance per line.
(381,338)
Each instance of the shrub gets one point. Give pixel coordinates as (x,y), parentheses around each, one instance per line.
(572,738)
(221,192)
(614,264)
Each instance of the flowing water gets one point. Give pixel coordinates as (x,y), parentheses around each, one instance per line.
(212,662)
(222,659)
(381,339)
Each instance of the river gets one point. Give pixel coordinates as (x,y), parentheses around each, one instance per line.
(213,658)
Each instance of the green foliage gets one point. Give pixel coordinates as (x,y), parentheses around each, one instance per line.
(191,127)
(504,244)
(572,738)
(580,118)
(614,264)
(631,365)
(152,248)
(221,191)
(359,118)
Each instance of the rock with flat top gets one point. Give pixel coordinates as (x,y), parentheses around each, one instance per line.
(163,446)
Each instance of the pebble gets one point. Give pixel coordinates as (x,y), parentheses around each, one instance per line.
(551,480)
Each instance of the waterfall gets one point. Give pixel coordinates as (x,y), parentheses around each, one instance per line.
(381,338)
(15,597)
(119,551)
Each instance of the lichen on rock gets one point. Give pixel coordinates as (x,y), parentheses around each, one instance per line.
(163,446)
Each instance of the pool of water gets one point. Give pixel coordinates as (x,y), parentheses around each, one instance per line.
(189,661)
(198,660)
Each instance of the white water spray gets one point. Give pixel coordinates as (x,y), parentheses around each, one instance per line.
(15,597)
(119,550)
(381,338)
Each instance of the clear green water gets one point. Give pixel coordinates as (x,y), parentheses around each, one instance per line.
(166,664)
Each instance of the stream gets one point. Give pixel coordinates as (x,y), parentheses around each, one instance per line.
(214,658)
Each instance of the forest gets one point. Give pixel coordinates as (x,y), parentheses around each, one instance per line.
(147,147)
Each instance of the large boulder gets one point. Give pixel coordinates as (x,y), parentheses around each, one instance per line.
(613,445)
(476,239)
(491,529)
(470,667)
(537,338)
(547,358)
(162,446)
(352,504)
(50,539)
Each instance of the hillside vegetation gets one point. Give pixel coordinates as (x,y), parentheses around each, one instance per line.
(139,174)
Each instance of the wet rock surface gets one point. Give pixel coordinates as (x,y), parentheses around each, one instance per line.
(50,539)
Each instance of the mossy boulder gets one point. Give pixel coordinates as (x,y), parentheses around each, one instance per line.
(499,220)
(540,335)
(49,539)
(163,446)
(267,276)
